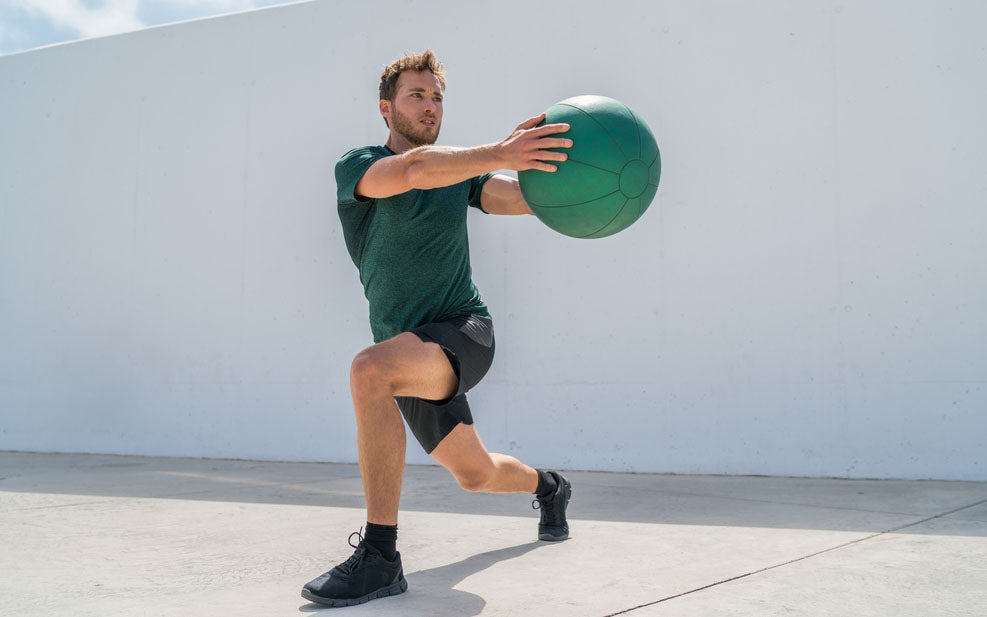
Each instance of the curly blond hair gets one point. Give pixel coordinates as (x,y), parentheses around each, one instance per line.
(409,62)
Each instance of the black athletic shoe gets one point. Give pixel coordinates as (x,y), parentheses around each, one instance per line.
(553,526)
(366,575)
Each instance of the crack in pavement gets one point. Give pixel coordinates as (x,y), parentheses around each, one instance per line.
(803,558)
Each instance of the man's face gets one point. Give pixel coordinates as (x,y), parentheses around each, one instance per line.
(416,112)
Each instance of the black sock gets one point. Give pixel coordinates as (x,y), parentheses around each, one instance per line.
(384,538)
(546,484)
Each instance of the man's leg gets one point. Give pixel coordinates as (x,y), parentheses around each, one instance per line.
(463,454)
(401,366)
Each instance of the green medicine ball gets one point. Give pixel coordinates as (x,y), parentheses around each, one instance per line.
(611,174)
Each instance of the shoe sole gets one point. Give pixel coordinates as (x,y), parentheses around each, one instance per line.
(391,590)
(565,534)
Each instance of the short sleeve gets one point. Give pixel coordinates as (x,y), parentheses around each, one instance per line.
(476,189)
(350,169)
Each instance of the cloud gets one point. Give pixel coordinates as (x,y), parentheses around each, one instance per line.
(104,17)
(25,24)
(111,17)
(212,6)
(9,37)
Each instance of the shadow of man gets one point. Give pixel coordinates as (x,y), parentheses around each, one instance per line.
(430,592)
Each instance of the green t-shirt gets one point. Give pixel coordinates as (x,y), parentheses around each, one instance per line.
(412,249)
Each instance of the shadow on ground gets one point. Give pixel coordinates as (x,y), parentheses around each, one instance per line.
(431,592)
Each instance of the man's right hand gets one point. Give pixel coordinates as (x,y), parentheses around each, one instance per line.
(427,167)
(528,146)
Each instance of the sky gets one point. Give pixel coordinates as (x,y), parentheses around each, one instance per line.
(29,24)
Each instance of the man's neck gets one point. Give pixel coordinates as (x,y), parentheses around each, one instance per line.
(398,144)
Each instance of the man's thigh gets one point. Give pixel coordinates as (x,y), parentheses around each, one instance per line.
(413,367)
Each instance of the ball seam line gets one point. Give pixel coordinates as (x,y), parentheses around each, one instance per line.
(616,173)
(582,203)
(637,125)
(626,201)
(601,126)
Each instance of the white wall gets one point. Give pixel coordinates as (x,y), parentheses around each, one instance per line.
(805,297)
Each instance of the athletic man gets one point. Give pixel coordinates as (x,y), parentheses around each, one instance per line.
(403,210)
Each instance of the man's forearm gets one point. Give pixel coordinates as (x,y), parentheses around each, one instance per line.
(528,147)
(434,166)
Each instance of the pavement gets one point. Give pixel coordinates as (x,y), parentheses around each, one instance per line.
(106,535)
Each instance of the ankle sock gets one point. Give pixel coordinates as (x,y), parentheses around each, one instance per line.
(546,484)
(384,538)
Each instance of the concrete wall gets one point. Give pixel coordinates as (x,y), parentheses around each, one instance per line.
(805,297)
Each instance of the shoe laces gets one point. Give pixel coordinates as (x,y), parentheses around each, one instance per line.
(357,557)
(359,535)
(549,512)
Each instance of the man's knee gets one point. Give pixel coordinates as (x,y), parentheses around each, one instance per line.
(475,480)
(368,374)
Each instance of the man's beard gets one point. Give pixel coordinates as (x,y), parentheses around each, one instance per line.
(416,134)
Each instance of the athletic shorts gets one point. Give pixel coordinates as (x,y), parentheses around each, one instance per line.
(468,342)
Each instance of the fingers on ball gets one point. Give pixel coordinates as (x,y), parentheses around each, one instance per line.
(555,143)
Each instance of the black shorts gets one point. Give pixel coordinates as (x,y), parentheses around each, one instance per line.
(468,342)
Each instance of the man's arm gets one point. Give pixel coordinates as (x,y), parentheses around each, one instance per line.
(502,195)
(428,167)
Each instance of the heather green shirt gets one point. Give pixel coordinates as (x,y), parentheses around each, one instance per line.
(412,249)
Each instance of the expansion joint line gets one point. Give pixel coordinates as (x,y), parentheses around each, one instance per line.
(803,558)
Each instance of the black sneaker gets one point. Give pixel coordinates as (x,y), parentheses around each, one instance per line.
(366,575)
(553,526)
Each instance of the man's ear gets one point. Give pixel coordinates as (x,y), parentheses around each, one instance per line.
(385,110)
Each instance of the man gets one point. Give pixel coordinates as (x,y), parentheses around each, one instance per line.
(403,211)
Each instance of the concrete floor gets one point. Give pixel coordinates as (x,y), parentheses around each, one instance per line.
(117,535)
